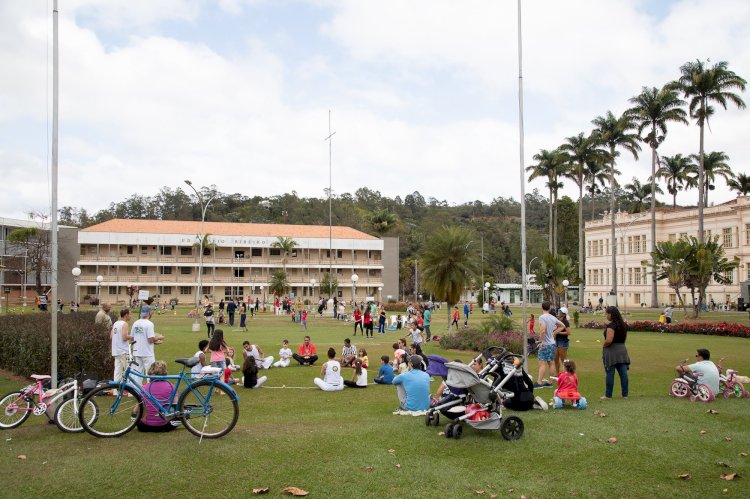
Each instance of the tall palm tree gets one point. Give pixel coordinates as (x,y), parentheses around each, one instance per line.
(676,170)
(383,220)
(705,85)
(581,152)
(596,176)
(740,183)
(615,133)
(286,245)
(550,165)
(669,261)
(278,283)
(715,164)
(638,196)
(707,262)
(550,275)
(652,109)
(448,263)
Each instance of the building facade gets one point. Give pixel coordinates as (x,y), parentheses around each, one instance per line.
(162,257)
(729,221)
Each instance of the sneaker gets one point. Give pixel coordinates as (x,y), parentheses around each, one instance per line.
(537,385)
(547,384)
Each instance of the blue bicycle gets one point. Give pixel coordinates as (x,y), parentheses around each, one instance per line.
(206,406)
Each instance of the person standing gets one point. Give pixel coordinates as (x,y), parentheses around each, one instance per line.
(208,315)
(549,327)
(614,354)
(231,309)
(144,336)
(454,319)
(562,339)
(102,316)
(120,336)
(243,316)
(335,307)
(357,321)
(426,318)
(668,314)
(367,320)
(466,313)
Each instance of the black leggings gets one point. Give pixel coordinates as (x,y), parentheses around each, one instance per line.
(211,327)
(143,427)
(357,323)
(353,384)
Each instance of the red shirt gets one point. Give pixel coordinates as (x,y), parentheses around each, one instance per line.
(455,315)
(567,386)
(357,315)
(368,317)
(307,350)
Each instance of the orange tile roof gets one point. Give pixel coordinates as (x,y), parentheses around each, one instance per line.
(225,229)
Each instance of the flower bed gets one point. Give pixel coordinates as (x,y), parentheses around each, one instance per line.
(708,329)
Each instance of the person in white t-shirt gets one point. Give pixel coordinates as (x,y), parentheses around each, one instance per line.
(144,336)
(331,373)
(201,356)
(703,365)
(120,337)
(285,355)
(359,378)
(260,360)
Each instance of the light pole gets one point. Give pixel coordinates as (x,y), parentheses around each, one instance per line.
(76,274)
(565,284)
(380,294)
(486,294)
(204,207)
(264,298)
(99,280)
(355,278)
(312,291)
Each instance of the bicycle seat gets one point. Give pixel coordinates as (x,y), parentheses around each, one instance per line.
(40,377)
(188,362)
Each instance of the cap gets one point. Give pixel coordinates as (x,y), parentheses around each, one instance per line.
(145,310)
(562,310)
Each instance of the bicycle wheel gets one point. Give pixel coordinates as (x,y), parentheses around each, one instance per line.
(703,393)
(66,415)
(110,415)
(678,389)
(14,410)
(208,410)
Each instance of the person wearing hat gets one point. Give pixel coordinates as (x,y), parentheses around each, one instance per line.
(413,387)
(703,365)
(144,336)
(562,339)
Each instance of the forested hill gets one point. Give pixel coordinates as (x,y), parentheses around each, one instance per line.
(413,218)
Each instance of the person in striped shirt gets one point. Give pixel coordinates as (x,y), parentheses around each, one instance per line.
(348,354)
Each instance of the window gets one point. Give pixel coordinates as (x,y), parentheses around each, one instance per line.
(185,290)
(206,290)
(144,270)
(726,235)
(637,298)
(207,251)
(256,252)
(166,290)
(601,247)
(747,233)
(607,247)
(729,276)
(637,244)
(90,290)
(683,235)
(275,251)
(239,272)
(341,294)
(206,270)
(129,250)
(144,250)
(239,254)
(294,253)
(672,239)
(672,298)
(186,270)
(112,290)
(630,244)
(165,250)
(165,270)
(186,251)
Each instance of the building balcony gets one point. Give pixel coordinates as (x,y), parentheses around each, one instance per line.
(207,280)
(228,261)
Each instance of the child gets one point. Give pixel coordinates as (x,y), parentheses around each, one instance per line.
(294,315)
(363,358)
(359,378)
(381,322)
(219,350)
(531,326)
(250,371)
(201,356)
(399,322)
(403,363)
(357,321)
(303,319)
(228,379)
(385,374)
(285,355)
(567,387)
(398,350)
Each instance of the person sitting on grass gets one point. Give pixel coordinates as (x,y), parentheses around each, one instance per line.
(359,378)
(403,363)
(254,350)
(163,391)
(348,354)
(398,350)
(413,387)
(385,373)
(567,386)
(362,356)
(285,355)
(250,377)
(331,373)
(703,365)
(306,353)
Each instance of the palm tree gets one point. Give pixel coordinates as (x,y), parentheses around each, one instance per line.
(706,262)
(596,175)
(715,164)
(550,165)
(449,262)
(286,245)
(614,133)
(704,85)
(676,170)
(383,220)
(740,183)
(278,283)
(652,109)
(669,261)
(639,196)
(581,152)
(551,274)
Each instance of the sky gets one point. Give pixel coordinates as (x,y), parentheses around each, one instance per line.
(422,94)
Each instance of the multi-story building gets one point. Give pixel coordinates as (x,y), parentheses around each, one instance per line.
(162,257)
(730,221)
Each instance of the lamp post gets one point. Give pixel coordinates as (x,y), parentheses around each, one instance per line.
(312,291)
(99,280)
(199,288)
(76,275)
(486,294)
(565,284)
(355,278)
(264,298)
(380,294)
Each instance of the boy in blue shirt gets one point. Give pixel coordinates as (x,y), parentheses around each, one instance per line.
(385,374)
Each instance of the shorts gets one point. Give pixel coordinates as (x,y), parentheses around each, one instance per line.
(563,343)
(547,353)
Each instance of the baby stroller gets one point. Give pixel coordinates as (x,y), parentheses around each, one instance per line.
(481,406)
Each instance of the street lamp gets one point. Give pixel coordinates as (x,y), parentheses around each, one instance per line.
(99,280)
(355,278)
(204,207)
(486,294)
(264,298)
(380,293)
(76,274)
(565,284)
(313,282)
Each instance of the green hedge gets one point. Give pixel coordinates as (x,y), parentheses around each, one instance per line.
(25,340)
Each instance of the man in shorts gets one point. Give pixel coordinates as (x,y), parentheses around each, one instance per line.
(550,325)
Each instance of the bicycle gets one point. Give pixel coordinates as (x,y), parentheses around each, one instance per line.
(728,384)
(688,384)
(197,403)
(16,407)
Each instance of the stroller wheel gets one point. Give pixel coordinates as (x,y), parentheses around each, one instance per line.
(428,418)
(458,430)
(511,428)
(436,419)
(449,430)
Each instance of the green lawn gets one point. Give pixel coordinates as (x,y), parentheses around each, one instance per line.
(349,443)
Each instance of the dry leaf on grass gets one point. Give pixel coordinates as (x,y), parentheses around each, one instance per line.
(510,491)
(712,411)
(722,463)
(294,491)
(22,457)
(703,432)
(440,434)
(524,497)
(392,451)
(685,476)
(728,438)
(261,490)
(493,496)
(743,454)
(728,476)
(368,468)
(478,492)
(398,466)
(612,440)
(724,491)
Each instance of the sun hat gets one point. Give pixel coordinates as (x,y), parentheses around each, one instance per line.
(562,310)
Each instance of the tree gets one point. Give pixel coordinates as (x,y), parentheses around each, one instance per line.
(670,261)
(715,164)
(550,275)
(286,245)
(448,263)
(328,285)
(704,85)
(614,133)
(676,170)
(706,262)
(638,196)
(550,165)
(740,183)
(278,283)
(596,176)
(35,244)
(383,221)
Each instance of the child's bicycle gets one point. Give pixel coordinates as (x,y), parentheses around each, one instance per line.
(728,383)
(206,406)
(687,384)
(16,407)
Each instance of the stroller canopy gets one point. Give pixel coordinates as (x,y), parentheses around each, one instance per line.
(437,366)
(461,376)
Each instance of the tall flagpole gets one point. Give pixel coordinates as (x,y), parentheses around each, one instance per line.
(52,306)
(524,290)
(330,210)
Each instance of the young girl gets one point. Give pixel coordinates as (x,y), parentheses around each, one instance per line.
(363,358)
(303,319)
(531,326)
(367,320)
(219,350)
(357,321)
(250,372)
(567,387)
(398,350)
(359,378)
(403,363)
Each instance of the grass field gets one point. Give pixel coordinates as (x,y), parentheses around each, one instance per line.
(349,444)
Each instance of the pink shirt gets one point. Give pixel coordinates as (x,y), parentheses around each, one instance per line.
(218,355)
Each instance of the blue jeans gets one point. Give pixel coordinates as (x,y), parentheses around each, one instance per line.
(622,369)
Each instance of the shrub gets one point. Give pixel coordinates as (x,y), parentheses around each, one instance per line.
(25,340)
(708,329)
(475,339)
(576,317)
(497,324)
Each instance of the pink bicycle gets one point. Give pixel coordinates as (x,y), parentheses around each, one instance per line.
(728,383)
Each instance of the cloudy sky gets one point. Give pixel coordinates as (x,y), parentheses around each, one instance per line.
(422,93)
